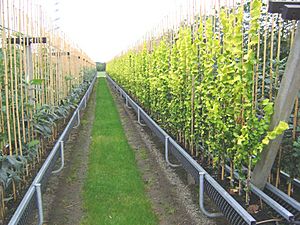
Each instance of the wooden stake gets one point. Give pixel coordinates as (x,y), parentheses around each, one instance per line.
(14,190)
(223,168)
(248,181)
(271,59)
(289,192)
(264,61)
(278,53)
(231,173)
(295,119)
(2,208)
(6,82)
(277,182)
(12,93)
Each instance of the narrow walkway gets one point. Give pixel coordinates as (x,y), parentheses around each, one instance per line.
(114,190)
(63,203)
(173,200)
(115,173)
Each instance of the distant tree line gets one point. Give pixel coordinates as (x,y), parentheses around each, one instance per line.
(100,66)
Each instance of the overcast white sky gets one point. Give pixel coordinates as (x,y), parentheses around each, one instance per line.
(103,28)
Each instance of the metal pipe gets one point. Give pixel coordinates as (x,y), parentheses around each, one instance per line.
(167,153)
(126,99)
(292,202)
(139,117)
(85,101)
(286,176)
(78,119)
(201,198)
(276,192)
(264,197)
(22,206)
(273,204)
(62,156)
(39,202)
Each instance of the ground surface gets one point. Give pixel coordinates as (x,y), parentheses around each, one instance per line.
(170,197)
(63,199)
(113,191)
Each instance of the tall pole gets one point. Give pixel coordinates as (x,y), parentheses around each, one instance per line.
(283,107)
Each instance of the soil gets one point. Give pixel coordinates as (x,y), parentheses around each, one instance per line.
(62,199)
(173,199)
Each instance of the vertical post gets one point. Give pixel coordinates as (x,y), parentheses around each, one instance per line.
(139,116)
(29,67)
(78,118)
(126,99)
(90,90)
(85,101)
(62,156)
(167,152)
(283,107)
(201,198)
(166,148)
(201,188)
(39,202)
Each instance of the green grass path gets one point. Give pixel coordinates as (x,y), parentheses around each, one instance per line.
(113,190)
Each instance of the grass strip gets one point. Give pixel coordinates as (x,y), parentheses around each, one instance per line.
(113,190)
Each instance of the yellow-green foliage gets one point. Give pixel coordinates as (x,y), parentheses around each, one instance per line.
(199,85)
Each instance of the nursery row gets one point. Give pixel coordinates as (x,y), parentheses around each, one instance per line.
(42,77)
(212,83)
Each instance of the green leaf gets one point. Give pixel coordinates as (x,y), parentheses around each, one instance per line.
(37,81)
(282,126)
(33,143)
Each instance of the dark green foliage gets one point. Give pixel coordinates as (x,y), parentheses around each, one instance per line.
(100,66)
